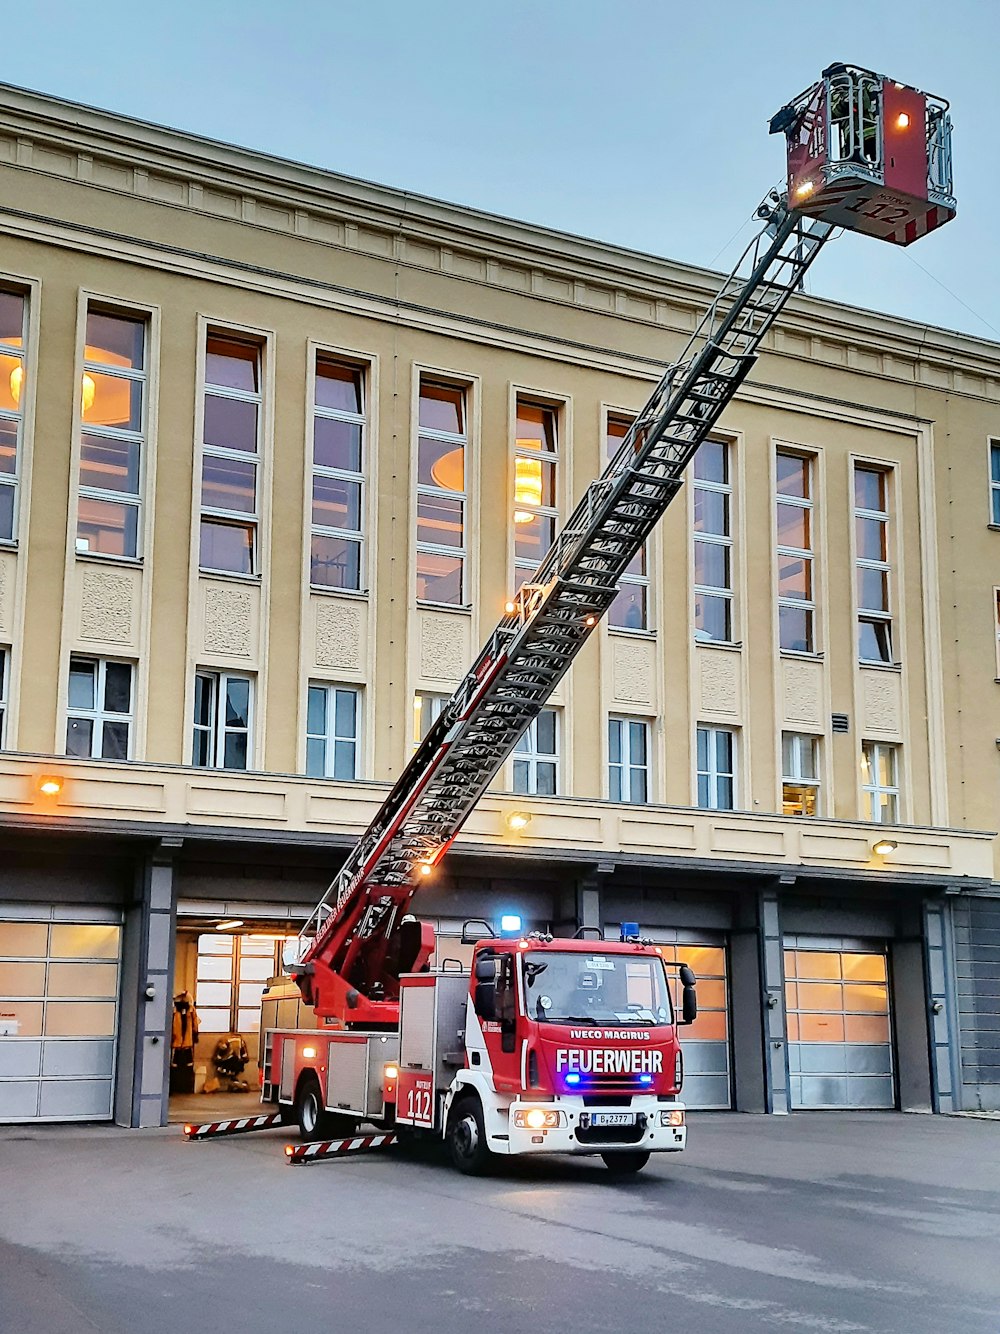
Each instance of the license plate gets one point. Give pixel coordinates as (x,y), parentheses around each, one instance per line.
(612,1118)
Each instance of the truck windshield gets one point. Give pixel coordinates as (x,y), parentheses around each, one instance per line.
(595,988)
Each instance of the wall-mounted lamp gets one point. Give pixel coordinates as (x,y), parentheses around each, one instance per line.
(771,1000)
(882,846)
(517,820)
(51,785)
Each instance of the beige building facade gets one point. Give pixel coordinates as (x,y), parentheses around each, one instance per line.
(275,447)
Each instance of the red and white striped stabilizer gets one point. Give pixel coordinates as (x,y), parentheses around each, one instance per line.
(236,1127)
(336,1148)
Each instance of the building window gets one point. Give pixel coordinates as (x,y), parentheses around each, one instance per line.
(713,543)
(99,709)
(535,513)
(338,481)
(232,972)
(716,769)
(871,528)
(13,386)
(995,482)
(536,757)
(630,609)
(223,706)
(230,456)
(796,600)
(879,783)
(628,760)
(4,676)
(996,626)
(332,732)
(426,711)
(799,774)
(112,435)
(441,493)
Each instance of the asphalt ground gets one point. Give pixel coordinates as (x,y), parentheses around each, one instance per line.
(822,1223)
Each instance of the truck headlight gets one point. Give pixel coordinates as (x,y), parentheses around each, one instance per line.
(535,1118)
(674,1118)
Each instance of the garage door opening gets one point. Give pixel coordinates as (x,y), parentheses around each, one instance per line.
(839,1029)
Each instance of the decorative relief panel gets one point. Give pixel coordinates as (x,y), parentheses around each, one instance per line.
(443,654)
(228,624)
(720,681)
(802,694)
(339,634)
(881,702)
(633,670)
(107,605)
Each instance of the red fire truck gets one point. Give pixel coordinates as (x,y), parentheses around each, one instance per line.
(554,1045)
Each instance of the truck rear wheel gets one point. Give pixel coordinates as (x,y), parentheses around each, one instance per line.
(466,1137)
(315,1122)
(626,1164)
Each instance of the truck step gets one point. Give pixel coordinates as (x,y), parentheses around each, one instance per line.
(332,1148)
(241,1126)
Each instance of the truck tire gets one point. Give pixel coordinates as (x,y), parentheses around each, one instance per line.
(315,1122)
(466,1137)
(626,1164)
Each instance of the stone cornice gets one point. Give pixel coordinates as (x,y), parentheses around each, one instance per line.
(102,150)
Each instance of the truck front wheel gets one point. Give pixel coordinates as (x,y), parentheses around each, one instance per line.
(626,1164)
(466,1137)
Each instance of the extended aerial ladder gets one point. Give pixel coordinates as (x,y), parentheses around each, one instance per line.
(360,936)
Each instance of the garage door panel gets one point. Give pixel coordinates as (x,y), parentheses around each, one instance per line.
(870,1092)
(710,1058)
(868,1059)
(79,1019)
(21,979)
(20,1018)
(709,1092)
(866,1028)
(24,940)
(18,1100)
(819,1058)
(822,1090)
(20,1060)
(85,940)
(75,1098)
(79,1058)
(83,979)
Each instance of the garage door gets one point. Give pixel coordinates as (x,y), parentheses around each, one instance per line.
(705,1043)
(839,1036)
(58,1018)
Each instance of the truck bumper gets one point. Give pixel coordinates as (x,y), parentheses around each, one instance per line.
(576,1134)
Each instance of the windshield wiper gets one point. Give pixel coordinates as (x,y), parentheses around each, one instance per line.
(578,1019)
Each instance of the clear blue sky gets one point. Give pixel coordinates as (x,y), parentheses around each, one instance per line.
(637,122)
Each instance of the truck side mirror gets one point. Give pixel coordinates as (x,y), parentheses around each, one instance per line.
(484,999)
(688,978)
(689,1005)
(485,970)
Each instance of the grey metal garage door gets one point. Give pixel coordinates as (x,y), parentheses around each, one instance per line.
(58,1015)
(839,1036)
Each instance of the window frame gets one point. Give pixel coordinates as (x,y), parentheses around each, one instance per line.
(532,757)
(212,329)
(626,766)
(364,368)
(727,541)
(217,729)
(554,457)
(100,715)
(13,481)
(868,616)
(96,305)
(870,754)
(713,773)
(330,737)
(807,555)
(435,703)
(426,375)
(993,464)
(629,579)
(797,779)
